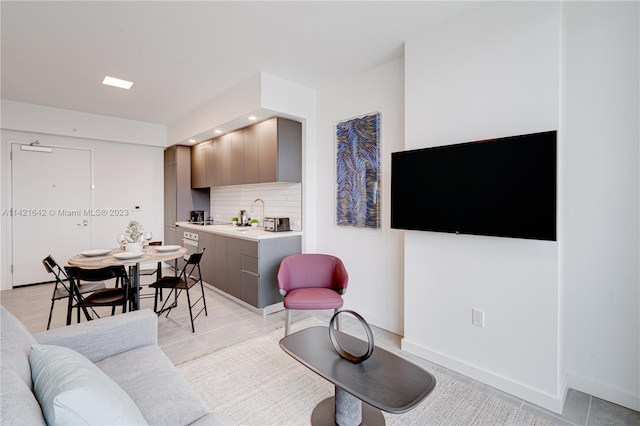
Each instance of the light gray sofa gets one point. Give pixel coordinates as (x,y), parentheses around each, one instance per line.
(123,346)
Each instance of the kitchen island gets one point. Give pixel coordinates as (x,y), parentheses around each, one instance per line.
(243,262)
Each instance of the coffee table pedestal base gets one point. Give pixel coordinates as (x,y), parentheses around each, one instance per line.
(348,411)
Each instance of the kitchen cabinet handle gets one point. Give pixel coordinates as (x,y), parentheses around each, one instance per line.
(250,273)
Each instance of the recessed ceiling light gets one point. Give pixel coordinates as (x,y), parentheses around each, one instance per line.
(116,82)
(192,140)
(217,131)
(252,117)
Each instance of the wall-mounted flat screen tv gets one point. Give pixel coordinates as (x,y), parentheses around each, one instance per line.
(502,187)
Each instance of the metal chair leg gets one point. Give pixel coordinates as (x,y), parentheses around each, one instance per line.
(193,329)
(338,320)
(287,322)
(50,314)
(204,299)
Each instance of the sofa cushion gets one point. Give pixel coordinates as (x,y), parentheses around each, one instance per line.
(162,394)
(18,405)
(72,390)
(15,342)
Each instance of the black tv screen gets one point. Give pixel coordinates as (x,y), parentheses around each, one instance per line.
(502,187)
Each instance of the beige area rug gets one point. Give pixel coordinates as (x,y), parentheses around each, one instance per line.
(257,383)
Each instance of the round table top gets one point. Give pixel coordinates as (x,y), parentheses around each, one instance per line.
(150,254)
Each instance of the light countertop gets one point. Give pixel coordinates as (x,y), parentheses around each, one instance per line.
(245,232)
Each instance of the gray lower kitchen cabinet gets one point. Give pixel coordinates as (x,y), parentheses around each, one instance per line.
(219,274)
(246,269)
(233,267)
(259,264)
(207,242)
(179,236)
(170,236)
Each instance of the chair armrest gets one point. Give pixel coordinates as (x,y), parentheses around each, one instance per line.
(105,337)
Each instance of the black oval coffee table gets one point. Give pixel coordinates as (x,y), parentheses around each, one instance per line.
(385,381)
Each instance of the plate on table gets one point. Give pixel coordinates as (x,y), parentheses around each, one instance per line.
(167,248)
(95,252)
(126,255)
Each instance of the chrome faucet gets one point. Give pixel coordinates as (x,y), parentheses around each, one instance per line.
(254,204)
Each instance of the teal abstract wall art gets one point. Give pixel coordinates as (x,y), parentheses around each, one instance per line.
(358,172)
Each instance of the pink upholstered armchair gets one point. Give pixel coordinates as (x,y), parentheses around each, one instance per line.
(311,282)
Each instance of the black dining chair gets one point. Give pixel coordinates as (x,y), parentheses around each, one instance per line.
(111,296)
(61,289)
(189,276)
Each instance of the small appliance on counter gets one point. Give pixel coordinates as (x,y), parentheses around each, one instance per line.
(276,224)
(199,217)
(243,218)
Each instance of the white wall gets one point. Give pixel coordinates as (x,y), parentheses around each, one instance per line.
(600,235)
(228,106)
(125,174)
(55,121)
(492,72)
(373,258)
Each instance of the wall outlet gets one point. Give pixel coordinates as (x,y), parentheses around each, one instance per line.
(477,317)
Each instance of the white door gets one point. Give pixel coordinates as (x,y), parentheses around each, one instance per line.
(50,197)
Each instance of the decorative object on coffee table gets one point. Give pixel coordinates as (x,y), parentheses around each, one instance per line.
(338,347)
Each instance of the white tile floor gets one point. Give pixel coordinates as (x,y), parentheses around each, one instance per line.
(229,323)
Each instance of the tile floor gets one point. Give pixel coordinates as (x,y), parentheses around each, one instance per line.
(228,323)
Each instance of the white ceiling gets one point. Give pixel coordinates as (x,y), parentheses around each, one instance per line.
(182,54)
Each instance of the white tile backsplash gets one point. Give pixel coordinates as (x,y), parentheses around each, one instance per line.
(280,200)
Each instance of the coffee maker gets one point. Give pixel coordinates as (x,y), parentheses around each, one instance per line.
(197,216)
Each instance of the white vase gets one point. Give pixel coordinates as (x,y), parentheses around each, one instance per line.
(133,247)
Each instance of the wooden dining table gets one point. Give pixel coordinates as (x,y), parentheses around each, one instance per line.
(151,254)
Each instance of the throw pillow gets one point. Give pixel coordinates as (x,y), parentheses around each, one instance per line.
(72,390)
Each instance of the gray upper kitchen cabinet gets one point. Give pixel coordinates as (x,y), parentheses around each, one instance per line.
(178,201)
(237,158)
(200,157)
(251,154)
(280,150)
(215,163)
(225,152)
(270,151)
(268,148)
(273,151)
(228,154)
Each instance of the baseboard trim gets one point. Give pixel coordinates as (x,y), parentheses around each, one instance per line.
(603,391)
(267,310)
(537,397)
